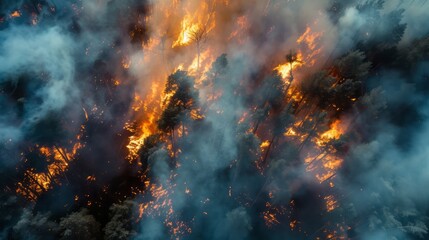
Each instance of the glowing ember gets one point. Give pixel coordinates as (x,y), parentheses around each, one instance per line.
(331,203)
(126,63)
(265,144)
(15,14)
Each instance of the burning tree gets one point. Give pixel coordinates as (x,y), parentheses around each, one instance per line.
(181,99)
(291,58)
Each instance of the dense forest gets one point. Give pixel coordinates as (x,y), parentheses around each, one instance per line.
(214,119)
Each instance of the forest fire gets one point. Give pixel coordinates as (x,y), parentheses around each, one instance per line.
(334,132)
(186,35)
(213,119)
(58,158)
(287,68)
(195,27)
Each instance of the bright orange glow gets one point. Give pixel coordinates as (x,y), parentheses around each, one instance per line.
(126,63)
(196,114)
(243,117)
(326,163)
(181,27)
(150,107)
(311,40)
(200,65)
(188,31)
(86,113)
(15,14)
(334,132)
(272,213)
(331,203)
(265,144)
(285,69)
(241,26)
(35,183)
(293,224)
(161,205)
(195,26)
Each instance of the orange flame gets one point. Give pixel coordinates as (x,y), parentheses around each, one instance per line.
(285,69)
(36,183)
(187,33)
(15,14)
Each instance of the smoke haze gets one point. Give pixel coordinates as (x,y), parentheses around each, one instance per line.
(214,119)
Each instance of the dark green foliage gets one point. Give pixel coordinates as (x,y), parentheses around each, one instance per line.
(418,50)
(270,96)
(261,114)
(120,226)
(344,94)
(49,130)
(247,149)
(382,31)
(150,145)
(352,66)
(79,225)
(183,98)
(317,88)
(273,90)
(34,226)
(282,121)
(218,70)
(374,103)
(350,70)
(169,119)
(338,90)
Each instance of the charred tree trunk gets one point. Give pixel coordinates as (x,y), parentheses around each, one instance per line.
(62,153)
(307,114)
(299,108)
(316,159)
(313,130)
(172,143)
(330,177)
(256,126)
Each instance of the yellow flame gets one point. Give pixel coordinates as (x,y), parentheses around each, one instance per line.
(187,32)
(36,183)
(265,144)
(310,39)
(194,26)
(284,69)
